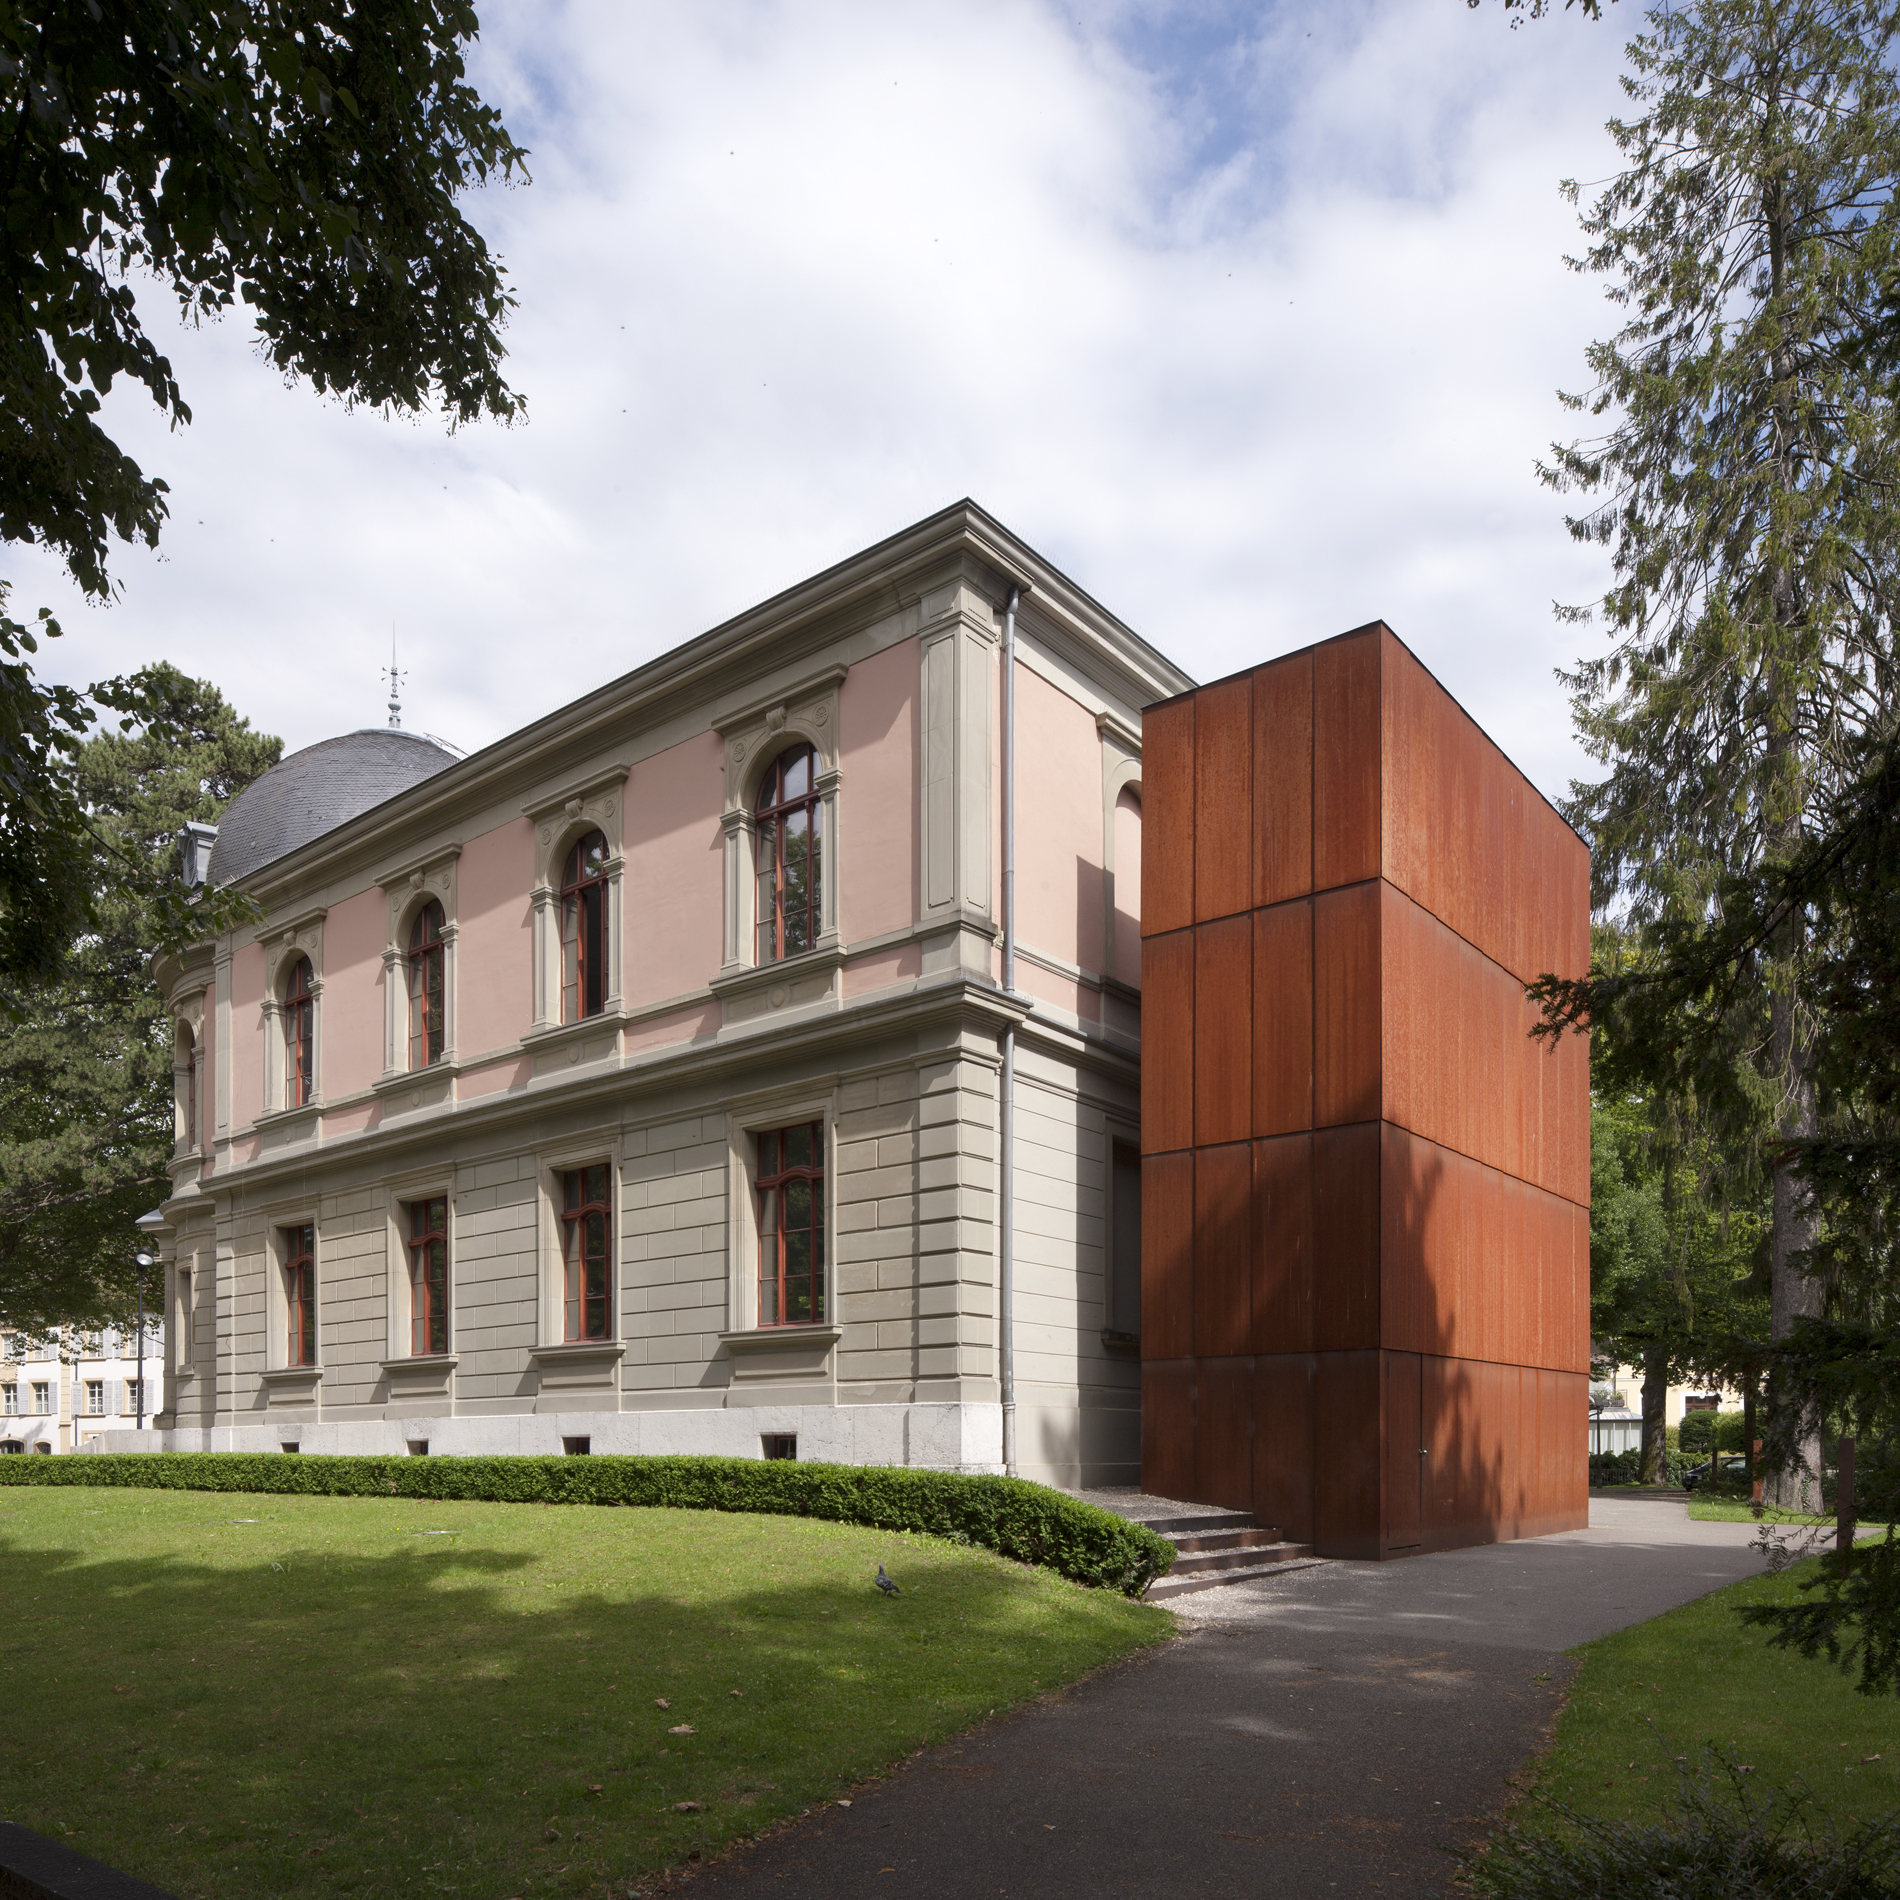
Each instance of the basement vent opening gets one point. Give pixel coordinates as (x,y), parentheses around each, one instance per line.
(418,1448)
(780,1444)
(292,1448)
(577,1447)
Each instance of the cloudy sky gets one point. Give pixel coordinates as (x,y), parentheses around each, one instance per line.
(1250,318)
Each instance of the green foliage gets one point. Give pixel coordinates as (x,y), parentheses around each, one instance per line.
(301,157)
(86,1093)
(1747,485)
(1851,1617)
(1626,1467)
(1725,1841)
(1028,1522)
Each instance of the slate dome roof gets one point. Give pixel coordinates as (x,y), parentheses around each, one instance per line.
(317,789)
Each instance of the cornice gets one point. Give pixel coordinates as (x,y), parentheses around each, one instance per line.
(718,1061)
(872,585)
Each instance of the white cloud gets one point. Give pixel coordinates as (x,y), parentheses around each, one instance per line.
(1253,333)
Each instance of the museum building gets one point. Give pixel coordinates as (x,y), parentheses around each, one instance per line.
(748,1059)
(632,1085)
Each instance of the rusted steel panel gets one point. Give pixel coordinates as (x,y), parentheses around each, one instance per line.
(1283,1442)
(1346,747)
(1167,818)
(1223,1250)
(1346,1005)
(1282,1018)
(1223,799)
(1167,1255)
(1223,1051)
(1404,1468)
(1283,779)
(1346,1237)
(1167,1042)
(1416,1220)
(1347,1440)
(1283,1244)
(1167,1427)
(1223,1433)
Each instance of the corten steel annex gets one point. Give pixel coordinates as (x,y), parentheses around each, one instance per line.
(644,1081)
(1366,1273)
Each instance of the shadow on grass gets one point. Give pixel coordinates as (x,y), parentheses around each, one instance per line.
(452,1718)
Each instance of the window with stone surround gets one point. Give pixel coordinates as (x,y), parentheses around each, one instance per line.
(788,856)
(95,1398)
(586,1253)
(584,929)
(790,1182)
(42,1395)
(300,1040)
(300,1295)
(10,1400)
(428,989)
(429,1276)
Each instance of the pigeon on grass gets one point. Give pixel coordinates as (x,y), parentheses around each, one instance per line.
(887,1584)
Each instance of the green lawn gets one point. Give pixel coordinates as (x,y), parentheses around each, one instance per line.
(1736,1511)
(1661,1690)
(350,1696)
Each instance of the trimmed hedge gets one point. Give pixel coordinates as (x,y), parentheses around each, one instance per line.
(1028,1522)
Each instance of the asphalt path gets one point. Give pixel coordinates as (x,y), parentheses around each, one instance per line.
(1346,1728)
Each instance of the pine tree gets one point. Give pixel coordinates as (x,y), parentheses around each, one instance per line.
(86,1092)
(1749,490)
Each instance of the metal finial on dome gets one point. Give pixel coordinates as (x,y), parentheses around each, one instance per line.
(394,677)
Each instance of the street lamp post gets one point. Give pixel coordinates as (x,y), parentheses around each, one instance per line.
(144,1260)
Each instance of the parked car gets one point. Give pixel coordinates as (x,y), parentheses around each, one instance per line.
(1733,1465)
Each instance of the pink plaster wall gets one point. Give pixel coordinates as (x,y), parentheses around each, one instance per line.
(878,739)
(1061,992)
(1059,887)
(1128,886)
(247,1036)
(672,900)
(352,1120)
(677,1025)
(902,963)
(494,941)
(354,934)
(493,1078)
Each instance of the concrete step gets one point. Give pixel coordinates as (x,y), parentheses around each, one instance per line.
(1197,1521)
(1282,1557)
(1209,1562)
(1244,1538)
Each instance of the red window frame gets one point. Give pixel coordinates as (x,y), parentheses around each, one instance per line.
(427,1012)
(587,1225)
(791,1191)
(788,854)
(429,1277)
(300,1292)
(300,1025)
(584,929)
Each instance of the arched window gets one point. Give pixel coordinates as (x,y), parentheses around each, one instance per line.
(190,1116)
(426,987)
(300,1038)
(584,930)
(788,855)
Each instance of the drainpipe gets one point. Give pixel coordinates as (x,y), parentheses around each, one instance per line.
(1006,1245)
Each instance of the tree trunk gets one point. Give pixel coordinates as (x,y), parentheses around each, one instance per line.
(1655,1415)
